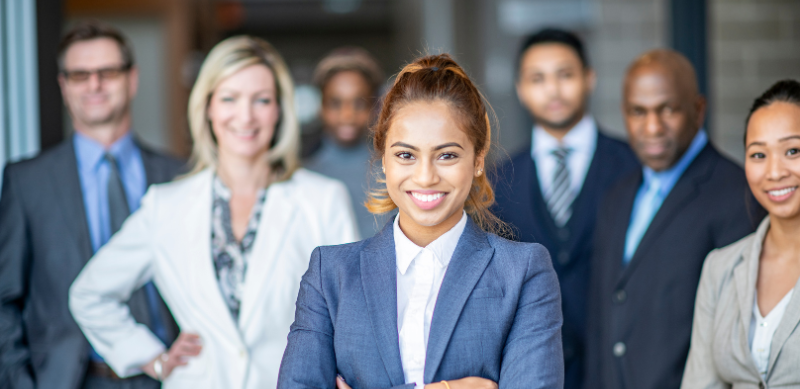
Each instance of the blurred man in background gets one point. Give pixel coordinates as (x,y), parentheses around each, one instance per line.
(60,207)
(655,228)
(350,81)
(550,192)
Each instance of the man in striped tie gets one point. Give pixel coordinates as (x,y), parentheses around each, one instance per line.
(550,191)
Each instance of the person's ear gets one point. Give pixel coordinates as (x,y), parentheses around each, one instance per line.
(700,108)
(480,166)
(133,81)
(591,80)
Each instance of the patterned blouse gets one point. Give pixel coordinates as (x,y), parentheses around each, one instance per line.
(230,256)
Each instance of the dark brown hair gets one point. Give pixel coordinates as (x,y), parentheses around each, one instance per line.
(95,30)
(353,59)
(440,78)
(786,91)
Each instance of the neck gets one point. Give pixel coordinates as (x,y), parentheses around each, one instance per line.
(783,233)
(421,235)
(243,175)
(105,134)
(560,132)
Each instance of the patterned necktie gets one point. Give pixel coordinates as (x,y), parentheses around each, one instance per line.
(118,211)
(559,203)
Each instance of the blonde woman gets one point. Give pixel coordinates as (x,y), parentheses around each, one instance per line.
(226,245)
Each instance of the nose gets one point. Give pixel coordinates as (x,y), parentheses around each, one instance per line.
(245,112)
(776,170)
(653,124)
(94,82)
(348,112)
(425,174)
(552,87)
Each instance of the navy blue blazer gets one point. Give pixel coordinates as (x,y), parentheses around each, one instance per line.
(520,203)
(497,316)
(640,315)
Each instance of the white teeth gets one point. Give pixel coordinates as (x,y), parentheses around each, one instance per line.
(782,192)
(426,198)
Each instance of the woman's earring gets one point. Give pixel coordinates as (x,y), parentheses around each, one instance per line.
(383,169)
(480,171)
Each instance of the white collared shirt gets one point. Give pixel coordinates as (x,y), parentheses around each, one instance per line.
(420,272)
(582,142)
(762,329)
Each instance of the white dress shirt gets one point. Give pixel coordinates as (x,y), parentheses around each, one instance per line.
(762,329)
(420,272)
(582,142)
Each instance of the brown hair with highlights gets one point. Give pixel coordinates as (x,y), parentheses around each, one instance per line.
(440,78)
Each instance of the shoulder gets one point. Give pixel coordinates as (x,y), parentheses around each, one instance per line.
(612,146)
(530,255)
(314,187)
(173,164)
(182,188)
(45,160)
(721,262)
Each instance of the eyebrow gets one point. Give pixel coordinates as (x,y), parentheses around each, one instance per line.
(790,137)
(439,147)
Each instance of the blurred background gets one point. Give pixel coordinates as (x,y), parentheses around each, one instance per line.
(739,47)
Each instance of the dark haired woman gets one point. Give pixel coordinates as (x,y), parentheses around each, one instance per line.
(746,315)
(433,300)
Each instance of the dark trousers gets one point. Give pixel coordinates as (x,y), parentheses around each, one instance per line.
(137,382)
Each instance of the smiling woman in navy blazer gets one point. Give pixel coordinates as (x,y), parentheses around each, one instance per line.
(433,300)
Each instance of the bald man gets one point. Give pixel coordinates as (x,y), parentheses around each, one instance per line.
(655,228)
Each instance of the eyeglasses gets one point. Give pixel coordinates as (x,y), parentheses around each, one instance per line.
(102,74)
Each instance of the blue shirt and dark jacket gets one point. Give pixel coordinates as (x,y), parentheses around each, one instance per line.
(653,232)
(520,201)
(53,217)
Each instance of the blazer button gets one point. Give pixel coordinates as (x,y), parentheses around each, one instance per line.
(563,258)
(563,234)
(619,296)
(619,349)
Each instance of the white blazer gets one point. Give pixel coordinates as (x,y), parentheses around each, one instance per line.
(168,240)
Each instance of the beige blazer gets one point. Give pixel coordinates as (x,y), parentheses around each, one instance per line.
(720,354)
(168,240)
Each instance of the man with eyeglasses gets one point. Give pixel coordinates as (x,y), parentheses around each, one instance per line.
(59,208)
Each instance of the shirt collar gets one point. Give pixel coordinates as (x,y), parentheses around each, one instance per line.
(580,139)
(90,153)
(666,179)
(442,248)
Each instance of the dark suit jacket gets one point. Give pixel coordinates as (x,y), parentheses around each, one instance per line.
(640,315)
(497,316)
(520,203)
(44,243)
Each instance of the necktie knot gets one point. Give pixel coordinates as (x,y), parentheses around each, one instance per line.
(561,153)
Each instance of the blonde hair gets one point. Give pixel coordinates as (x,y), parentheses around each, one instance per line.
(225,59)
(431,78)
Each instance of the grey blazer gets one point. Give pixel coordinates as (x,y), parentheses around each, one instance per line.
(720,354)
(498,316)
(44,243)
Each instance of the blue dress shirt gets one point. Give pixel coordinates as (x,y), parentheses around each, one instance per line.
(93,171)
(655,188)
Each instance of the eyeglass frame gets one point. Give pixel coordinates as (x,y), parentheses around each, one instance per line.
(116,72)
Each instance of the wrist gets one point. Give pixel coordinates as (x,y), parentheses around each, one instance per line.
(158,366)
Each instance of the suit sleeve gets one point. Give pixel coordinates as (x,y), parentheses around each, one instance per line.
(309,360)
(15,259)
(533,357)
(97,298)
(700,371)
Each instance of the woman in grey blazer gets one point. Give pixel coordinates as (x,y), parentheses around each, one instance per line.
(748,306)
(433,300)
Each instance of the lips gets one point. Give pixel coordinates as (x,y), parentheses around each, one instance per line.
(427,199)
(781,194)
(244,134)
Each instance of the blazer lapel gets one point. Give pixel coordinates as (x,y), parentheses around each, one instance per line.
(468,263)
(276,215)
(540,216)
(200,263)
(67,182)
(787,326)
(682,193)
(154,172)
(379,280)
(745,275)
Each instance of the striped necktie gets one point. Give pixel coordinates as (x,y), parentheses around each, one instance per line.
(559,202)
